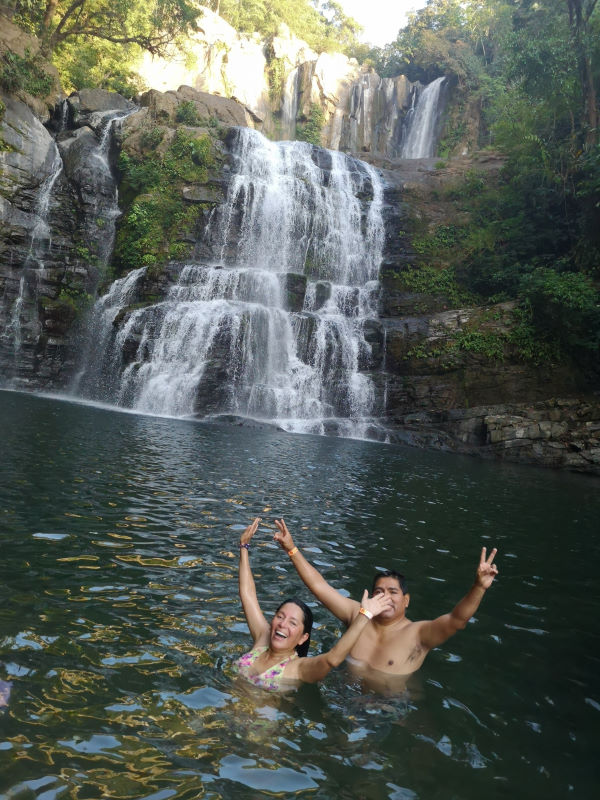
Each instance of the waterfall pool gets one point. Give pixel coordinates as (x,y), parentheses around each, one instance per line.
(120,615)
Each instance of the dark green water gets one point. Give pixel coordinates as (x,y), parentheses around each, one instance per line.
(120,616)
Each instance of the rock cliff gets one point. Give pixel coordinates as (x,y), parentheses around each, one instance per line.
(282,81)
(455,376)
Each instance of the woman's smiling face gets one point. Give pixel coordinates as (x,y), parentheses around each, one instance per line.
(287,627)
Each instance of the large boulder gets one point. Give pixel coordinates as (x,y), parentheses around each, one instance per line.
(28,152)
(14,39)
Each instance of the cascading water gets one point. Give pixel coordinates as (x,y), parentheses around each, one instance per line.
(23,311)
(289,105)
(420,141)
(276,327)
(102,202)
(70,222)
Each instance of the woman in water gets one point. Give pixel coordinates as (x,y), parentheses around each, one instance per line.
(278,653)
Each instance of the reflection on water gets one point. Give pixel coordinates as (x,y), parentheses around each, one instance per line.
(120,618)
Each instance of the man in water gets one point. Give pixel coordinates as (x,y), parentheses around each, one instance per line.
(392,647)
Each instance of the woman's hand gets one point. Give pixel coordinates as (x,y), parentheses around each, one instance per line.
(249,532)
(283,536)
(375,605)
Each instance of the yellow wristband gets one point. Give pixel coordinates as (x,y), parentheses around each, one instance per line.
(292,552)
(368,614)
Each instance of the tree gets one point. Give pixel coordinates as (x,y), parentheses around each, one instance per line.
(151,25)
(580,13)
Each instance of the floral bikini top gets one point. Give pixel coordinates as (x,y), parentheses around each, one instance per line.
(270,679)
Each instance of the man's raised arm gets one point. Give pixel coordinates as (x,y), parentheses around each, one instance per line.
(436,631)
(344,608)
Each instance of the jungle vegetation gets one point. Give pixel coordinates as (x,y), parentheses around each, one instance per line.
(530,71)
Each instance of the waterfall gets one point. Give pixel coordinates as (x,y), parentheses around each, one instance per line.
(422,119)
(41,237)
(289,105)
(274,328)
(102,204)
(22,318)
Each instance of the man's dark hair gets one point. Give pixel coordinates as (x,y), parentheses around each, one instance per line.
(391,573)
(307,622)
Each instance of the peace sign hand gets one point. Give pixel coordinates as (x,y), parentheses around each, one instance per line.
(487,570)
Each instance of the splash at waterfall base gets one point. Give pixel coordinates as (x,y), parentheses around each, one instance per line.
(287,310)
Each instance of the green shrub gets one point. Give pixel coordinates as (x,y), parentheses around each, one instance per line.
(155,213)
(310,131)
(24,73)
(432,280)
(276,78)
(565,304)
(187,113)
(151,138)
(443,238)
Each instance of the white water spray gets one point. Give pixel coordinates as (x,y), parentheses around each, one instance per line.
(420,139)
(224,340)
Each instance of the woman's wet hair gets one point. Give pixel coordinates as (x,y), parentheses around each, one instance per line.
(307,623)
(391,573)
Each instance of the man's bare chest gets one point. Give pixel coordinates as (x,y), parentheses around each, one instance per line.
(397,651)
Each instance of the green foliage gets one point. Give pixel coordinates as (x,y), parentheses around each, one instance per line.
(453,136)
(152,26)
(96,63)
(187,113)
(443,238)
(432,280)
(4,146)
(486,343)
(24,73)
(276,78)
(566,305)
(310,131)
(151,138)
(521,340)
(155,212)
(75,298)
(324,26)
(529,343)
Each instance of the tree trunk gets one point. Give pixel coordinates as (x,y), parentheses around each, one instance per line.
(48,14)
(579,14)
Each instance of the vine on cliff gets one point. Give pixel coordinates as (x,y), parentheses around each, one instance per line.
(310,131)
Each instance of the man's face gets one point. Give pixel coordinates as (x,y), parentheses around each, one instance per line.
(389,587)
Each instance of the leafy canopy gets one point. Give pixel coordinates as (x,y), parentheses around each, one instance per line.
(152,25)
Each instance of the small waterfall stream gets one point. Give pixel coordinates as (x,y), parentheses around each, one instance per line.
(275,328)
(23,314)
(102,207)
(289,105)
(420,140)
(87,184)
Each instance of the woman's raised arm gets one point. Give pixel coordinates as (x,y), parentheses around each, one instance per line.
(316,668)
(259,627)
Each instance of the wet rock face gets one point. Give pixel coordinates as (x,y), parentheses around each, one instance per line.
(441,395)
(56,206)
